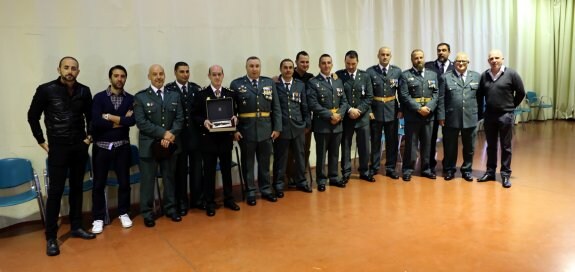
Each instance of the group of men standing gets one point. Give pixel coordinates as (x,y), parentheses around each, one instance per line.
(175,139)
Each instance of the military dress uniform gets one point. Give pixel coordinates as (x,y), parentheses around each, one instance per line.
(359,93)
(418,90)
(259,114)
(460,115)
(384,107)
(295,119)
(189,161)
(324,99)
(439,68)
(154,116)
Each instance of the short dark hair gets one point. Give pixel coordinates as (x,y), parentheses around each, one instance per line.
(118,67)
(323,56)
(301,53)
(446,44)
(68,57)
(285,60)
(252,58)
(179,64)
(351,54)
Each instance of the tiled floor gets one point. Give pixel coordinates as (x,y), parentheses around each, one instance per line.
(388,225)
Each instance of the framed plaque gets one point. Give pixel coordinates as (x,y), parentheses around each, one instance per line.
(220,112)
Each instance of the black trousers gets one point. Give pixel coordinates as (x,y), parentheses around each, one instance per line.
(362,142)
(390,130)
(103,160)
(65,161)
(295,147)
(417,134)
(189,173)
(450,140)
(433,146)
(210,164)
(263,152)
(499,125)
(326,143)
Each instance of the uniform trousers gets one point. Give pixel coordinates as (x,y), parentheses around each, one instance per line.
(262,151)
(417,134)
(327,143)
(362,142)
(282,149)
(390,132)
(189,173)
(450,145)
(148,170)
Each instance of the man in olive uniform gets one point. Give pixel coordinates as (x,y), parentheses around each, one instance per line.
(359,93)
(259,115)
(419,100)
(440,66)
(159,117)
(327,101)
(385,112)
(189,161)
(459,88)
(295,119)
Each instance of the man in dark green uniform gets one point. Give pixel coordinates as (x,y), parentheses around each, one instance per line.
(159,117)
(327,101)
(259,115)
(359,93)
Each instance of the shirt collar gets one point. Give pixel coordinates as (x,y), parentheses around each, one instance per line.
(180,85)
(156,89)
(290,82)
(109,92)
(383,68)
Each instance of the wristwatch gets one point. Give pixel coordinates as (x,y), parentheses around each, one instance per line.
(106,116)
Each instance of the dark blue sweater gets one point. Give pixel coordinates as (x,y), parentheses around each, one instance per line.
(502,95)
(102,130)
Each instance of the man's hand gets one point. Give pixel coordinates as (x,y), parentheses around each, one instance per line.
(399,115)
(165,143)
(169,136)
(441,122)
(275,134)
(129,113)
(306,130)
(354,113)
(235,120)
(371,116)
(44,146)
(335,118)
(208,124)
(424,111)
(237,136)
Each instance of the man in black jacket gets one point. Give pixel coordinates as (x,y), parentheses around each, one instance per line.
(66,105)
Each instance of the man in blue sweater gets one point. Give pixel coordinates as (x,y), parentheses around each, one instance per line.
(501,90)
(112,111)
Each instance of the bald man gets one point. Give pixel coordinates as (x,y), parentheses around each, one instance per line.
(159,117)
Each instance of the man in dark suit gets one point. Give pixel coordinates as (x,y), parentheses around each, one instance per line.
(215,145)
(419,100)
(189,161)
(385,112)
(295,121)
(259,124)
(440,66)
(502,89)
(327,101)
(459,88)
(159,117)
(359,93)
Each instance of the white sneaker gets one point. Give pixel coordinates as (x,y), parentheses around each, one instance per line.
(97,226)
(126,222)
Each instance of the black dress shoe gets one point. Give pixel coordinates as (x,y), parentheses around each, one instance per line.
(369,178)
(230,204)
(81,233)
(251,201)
(270,197)
(505,182)
(344,180)
(279,194)
(321,187)
(467,176)
(406,177)
(175,217)
(449,176)
(150,223)
(486,177)
(429,175)
(183,212)
(52,248)
(392,175)
(339,184)
(210,210)
(304,188)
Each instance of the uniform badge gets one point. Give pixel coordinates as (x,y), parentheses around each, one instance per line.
(334,76)
(339,91)
(410,79)
(267,91)
(431,84)
(242,89)
(393,82)
(362,90)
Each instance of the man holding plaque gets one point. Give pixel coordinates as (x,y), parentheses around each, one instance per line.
(215,145)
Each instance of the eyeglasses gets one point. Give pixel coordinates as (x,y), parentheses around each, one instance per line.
(462,61)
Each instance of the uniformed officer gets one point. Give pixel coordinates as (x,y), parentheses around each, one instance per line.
(327,101)
(189,161)
(385,112)
(359,93)
(440,66)
(419,100)
(259,115)
(460,115)
(295,120)
(159,117)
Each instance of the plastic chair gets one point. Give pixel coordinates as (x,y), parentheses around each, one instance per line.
(519,110)
(87,184)
(15,172)
(134,177)
(538,103)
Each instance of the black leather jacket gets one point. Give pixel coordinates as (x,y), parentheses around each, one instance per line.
(63,114)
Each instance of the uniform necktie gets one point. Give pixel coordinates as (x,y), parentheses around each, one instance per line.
(442,67)
(287,86)
(184,89)
(384,71)
(462,79)
(351,75)
(218,93)
(328,80)
(160,95)
(255,83)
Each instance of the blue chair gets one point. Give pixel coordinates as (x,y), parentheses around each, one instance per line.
(538,103)
(16,172)
(134,177)
(400,134)
(519,110)
(87,184)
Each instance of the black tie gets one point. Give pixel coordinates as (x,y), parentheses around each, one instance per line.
(328,80)
(287,86)
(160,95)
(384,71)
(351,75)
(255,83)
(442,68)
(184,89)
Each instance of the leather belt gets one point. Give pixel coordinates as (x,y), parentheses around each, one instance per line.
(384,99)
(422,99)
(334,110)
(254,114)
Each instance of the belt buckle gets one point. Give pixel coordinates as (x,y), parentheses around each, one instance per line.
(258,114)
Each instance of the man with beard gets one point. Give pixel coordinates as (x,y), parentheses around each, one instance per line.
(67,108)
(159,117)
(112,111)
(419,100)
